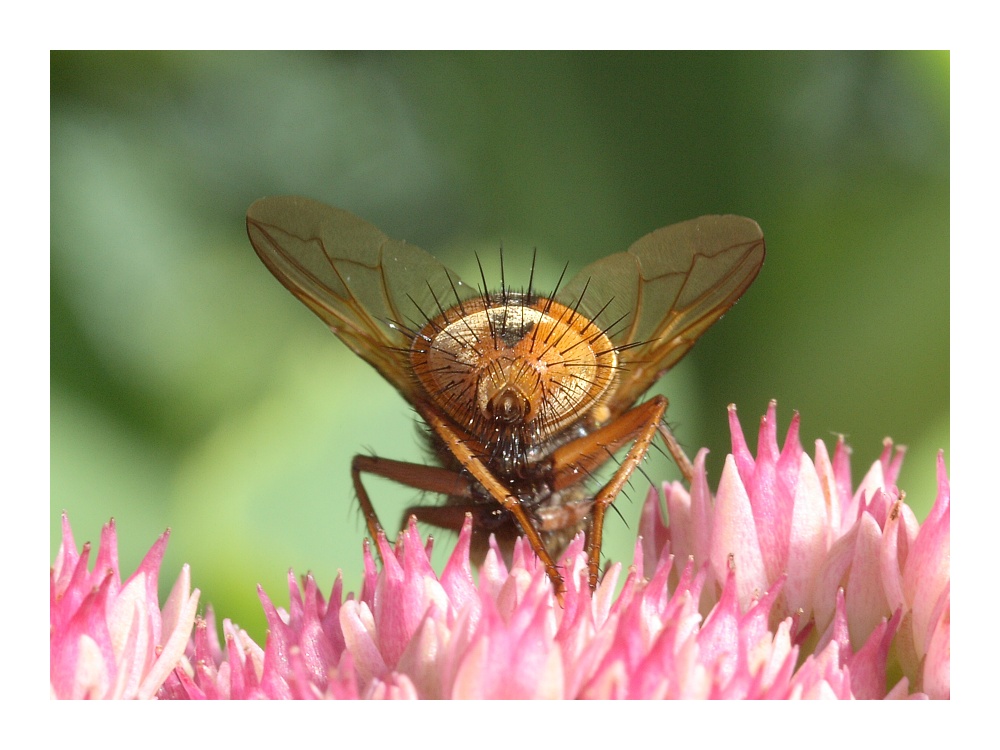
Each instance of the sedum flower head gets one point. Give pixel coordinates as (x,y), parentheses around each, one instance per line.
(851,562)
(786,583)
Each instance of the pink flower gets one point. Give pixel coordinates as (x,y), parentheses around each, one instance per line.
(786,583)
(108,639)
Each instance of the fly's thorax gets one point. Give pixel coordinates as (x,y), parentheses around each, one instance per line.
(513,365)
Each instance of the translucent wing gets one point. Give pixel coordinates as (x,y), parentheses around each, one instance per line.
(659,296)
(360,282)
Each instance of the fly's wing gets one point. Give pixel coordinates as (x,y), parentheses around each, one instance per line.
(658,297)
(372,291)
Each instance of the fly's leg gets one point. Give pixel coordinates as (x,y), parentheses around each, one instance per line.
(418,476)
(586,454)
(678,454)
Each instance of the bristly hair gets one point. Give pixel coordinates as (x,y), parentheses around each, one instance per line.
(508,444)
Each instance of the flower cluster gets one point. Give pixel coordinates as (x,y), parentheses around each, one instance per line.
(108,639)
(852,564)
(787,583)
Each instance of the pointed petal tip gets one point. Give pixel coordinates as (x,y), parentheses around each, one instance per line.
(464,543)
(942,474)
(772,411)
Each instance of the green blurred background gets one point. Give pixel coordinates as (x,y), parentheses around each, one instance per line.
(190,390)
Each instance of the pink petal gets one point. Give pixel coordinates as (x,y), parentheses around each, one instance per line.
(928,566)
(734,537)
(873,481)
(702,507)
(654,534)
(842,472)
(360,637)
(828,484)
(832,577)
(937,665)
(866,603)
(66,560)
(456,578)
(771,507)
(741,453)
(868,665)
(807,539)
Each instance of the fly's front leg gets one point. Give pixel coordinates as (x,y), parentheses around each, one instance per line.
(586,454)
